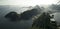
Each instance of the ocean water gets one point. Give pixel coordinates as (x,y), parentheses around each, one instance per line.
(7,24)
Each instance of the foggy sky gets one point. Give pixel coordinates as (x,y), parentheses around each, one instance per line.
(27,2)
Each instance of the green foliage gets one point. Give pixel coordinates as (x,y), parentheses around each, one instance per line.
(43,22)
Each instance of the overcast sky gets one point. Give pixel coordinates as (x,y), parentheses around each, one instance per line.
(27,2)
